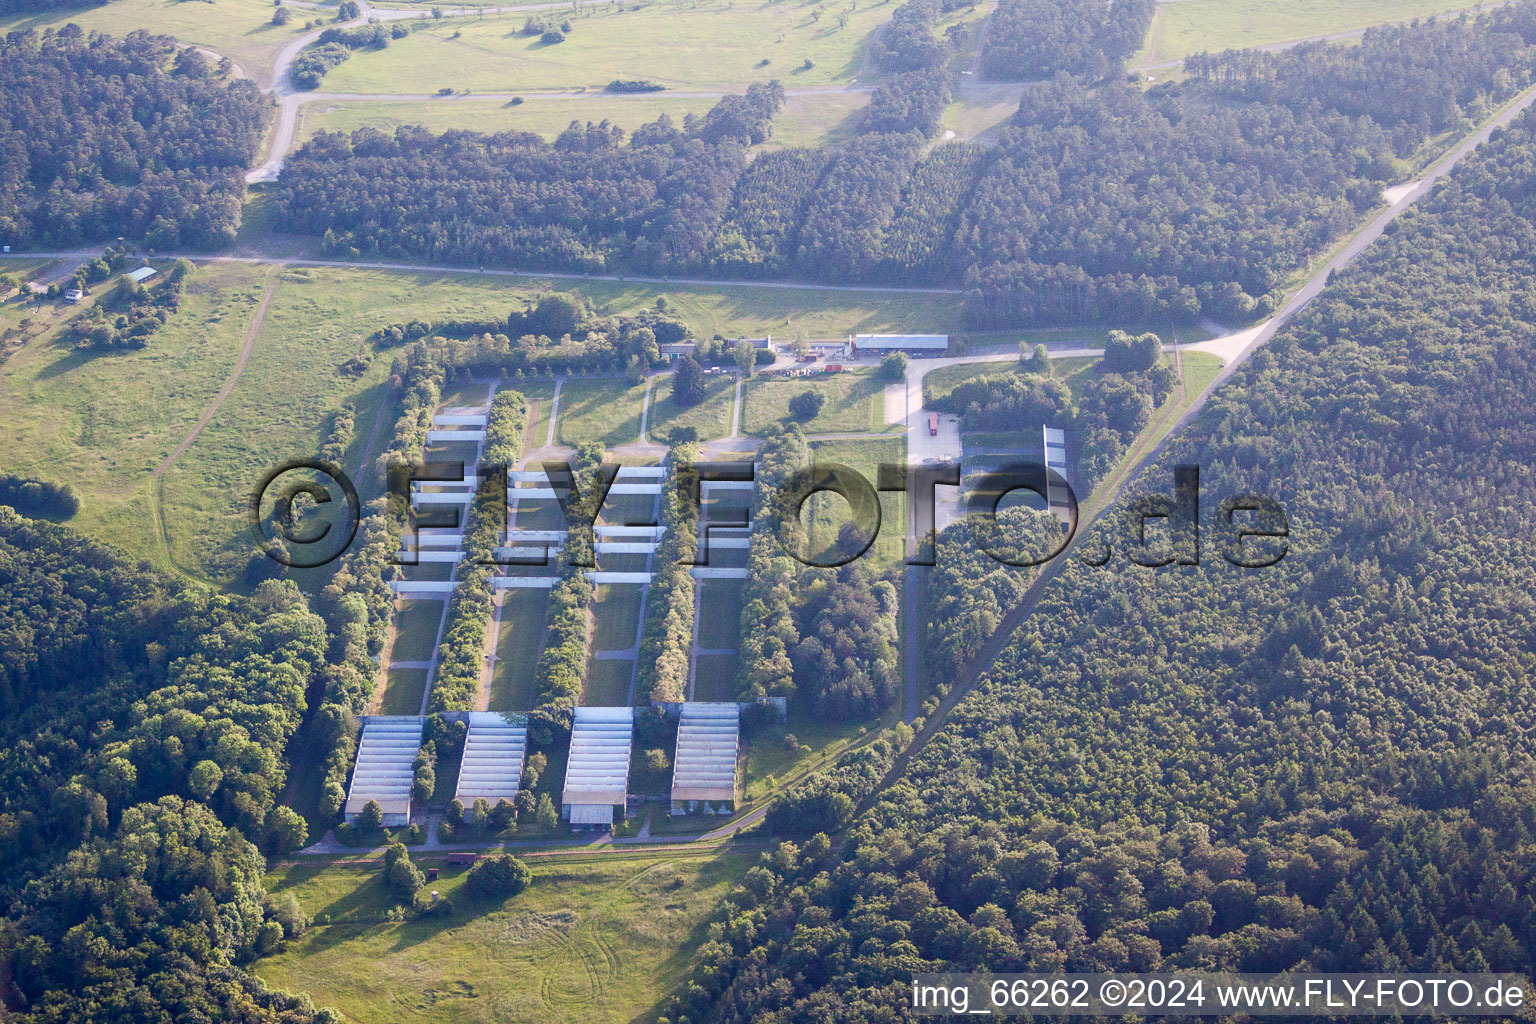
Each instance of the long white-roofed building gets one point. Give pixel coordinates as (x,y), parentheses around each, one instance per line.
(492,767)
(384,772)
(704,768)
(597,771)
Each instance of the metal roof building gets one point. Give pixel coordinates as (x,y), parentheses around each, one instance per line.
(705,765)
(384,772)
(901,342)
(597,772)
(142,274)
(493,758)
(1059,498)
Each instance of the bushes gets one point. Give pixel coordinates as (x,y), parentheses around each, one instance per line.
(310,66)
(826,801)
(38,498)
(504,429)
(562,666)
(806,405)
(1123,353)
(1008,400)
(848,659)
(1037,38)
(498,876)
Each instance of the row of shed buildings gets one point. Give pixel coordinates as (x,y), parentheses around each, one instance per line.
(597,766)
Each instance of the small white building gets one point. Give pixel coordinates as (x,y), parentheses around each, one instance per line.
(73,295)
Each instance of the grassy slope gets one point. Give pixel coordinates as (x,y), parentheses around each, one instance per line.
(102,423)
(711,44)
(517,647)
(1193,26)
(595,939)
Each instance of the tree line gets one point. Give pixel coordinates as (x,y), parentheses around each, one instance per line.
(1100,202)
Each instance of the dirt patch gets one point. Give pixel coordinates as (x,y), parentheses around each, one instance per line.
(527,927)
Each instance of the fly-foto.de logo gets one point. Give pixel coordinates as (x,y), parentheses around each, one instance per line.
(1249,531)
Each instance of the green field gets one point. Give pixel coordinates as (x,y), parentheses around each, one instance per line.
(818,119)
(416,625)
(239,29)
(1196,26)
(607,684)
(403,691)
(277,412)
(711,418)
(694,45)
(981,110)
(517,648)
(547,116)
(719,610)
(854,401)
(103,422)
(600,410)
(600,939)
(826,513)
(715,677)
(616,614)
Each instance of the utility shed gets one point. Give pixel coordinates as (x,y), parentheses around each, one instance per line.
(142,274)
(597,771)
(705,766)
(493,758)
(384,771)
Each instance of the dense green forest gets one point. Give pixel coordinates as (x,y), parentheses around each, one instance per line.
(98,139)
(1100,202)
(1327,764)
(1037,38)
(143,734)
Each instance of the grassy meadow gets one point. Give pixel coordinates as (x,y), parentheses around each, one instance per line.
(721,45)
(854,400)
(598,938)
(710,418)
(547,116)
(1195,26)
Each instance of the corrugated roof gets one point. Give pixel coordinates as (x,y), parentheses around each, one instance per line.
(142,274)
(597,770)
(493,758)
(705,765)
(924,341)
(383,772)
